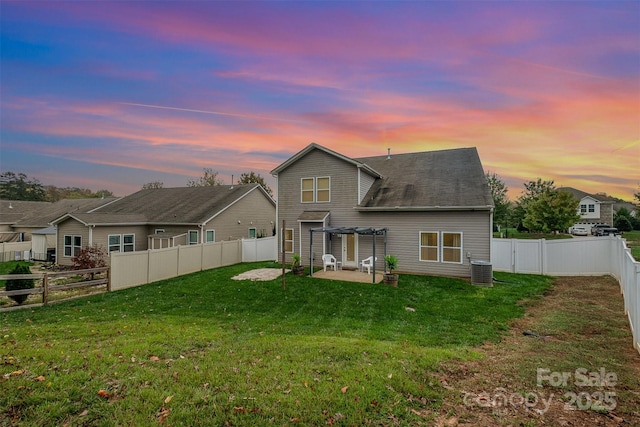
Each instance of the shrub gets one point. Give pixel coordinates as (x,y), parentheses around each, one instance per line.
(15,284)
(623,224)
(89,257)
(392,262)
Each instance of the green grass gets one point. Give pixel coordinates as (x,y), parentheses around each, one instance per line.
(633,242)
(206,350)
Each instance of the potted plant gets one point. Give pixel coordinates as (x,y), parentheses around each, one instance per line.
(390,278)
(296,266)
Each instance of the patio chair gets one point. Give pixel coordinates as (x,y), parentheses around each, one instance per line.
(329,260)
(367,263)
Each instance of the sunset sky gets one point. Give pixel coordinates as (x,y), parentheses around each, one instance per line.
(113,95)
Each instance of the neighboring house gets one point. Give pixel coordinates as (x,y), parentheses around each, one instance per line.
(432,210)
(593,208)
(167,217)
(12,211)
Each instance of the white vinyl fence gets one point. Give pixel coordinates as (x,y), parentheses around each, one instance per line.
(130,269)
(589,256)
(15,251)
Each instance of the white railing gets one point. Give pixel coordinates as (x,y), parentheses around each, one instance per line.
(589,256)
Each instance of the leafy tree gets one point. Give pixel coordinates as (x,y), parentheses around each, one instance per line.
(58,193)
(500,200)
(532,191)
(209,177)
(89,257)
(552,210)
(623,220)
(15,284)
(153,185)
(637,197)
(20,187)
(252,177)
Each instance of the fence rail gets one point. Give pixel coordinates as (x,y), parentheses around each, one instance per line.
(47,287)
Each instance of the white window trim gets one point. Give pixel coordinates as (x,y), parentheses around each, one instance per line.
(443,247)
(206,232)
(72,246)
(437,247)
(109,236)
(314,189)
(189,237)
(293,240)
(255,232)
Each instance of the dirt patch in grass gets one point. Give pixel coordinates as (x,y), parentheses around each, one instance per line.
(568,362)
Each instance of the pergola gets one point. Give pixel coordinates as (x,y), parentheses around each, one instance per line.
(371,231)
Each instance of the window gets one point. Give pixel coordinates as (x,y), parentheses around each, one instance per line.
(122,242)
(307,190)
(159,230)
(114,243)
(252,232)
(440,246)
(316,190)
(592,208)
(429,246)
(72,245)
(193,237)
(128,242)
(583,209)
(452,247)
(288,240)
(322,192)
(210,236)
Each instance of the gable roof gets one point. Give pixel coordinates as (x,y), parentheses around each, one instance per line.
(445,179)
(314,146)
(42,216)
(180,205)
(12,211)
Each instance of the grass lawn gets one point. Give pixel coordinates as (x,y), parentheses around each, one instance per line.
(633,242)
(204,349)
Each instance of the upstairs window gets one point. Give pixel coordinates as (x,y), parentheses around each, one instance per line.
(315,190)
(592,208)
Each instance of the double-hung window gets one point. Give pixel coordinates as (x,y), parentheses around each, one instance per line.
(315,190)
(441,246)
(192,237)
(210,236)
(252,232)
(122,242)
(72,245)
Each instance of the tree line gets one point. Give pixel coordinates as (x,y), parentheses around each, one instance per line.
(544,208)
(19,186)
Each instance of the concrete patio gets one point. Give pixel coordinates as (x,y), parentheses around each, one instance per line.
(348,275)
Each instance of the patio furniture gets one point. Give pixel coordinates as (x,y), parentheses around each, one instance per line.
(329,260)
(367,263)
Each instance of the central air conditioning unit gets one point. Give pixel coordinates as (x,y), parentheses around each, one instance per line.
(481,273)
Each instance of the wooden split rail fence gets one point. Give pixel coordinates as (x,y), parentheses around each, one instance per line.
(48,277)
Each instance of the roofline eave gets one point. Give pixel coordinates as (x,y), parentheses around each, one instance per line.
(423,208)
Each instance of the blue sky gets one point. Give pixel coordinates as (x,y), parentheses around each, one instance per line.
(112,95)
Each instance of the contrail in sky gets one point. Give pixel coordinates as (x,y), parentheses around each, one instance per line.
(217,113)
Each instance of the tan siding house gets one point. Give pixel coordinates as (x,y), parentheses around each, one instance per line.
(167,217)
(433,210)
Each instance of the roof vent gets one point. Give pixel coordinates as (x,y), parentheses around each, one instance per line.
(388,153)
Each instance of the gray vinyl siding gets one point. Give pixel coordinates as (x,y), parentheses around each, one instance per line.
(366,181)
(100,235)
(344,196)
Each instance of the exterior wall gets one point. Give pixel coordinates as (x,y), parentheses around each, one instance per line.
(69,227)
(366,181)
(254,210)
(403,227)
(27,232)
(344,196)
(100,235)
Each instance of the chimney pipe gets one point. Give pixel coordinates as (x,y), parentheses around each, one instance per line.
(388,153)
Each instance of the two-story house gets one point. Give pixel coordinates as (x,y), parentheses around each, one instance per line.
(593,208)
(432,210)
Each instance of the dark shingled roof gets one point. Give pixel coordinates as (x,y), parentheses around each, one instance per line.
(431,179)
(43,216)
(182,205)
